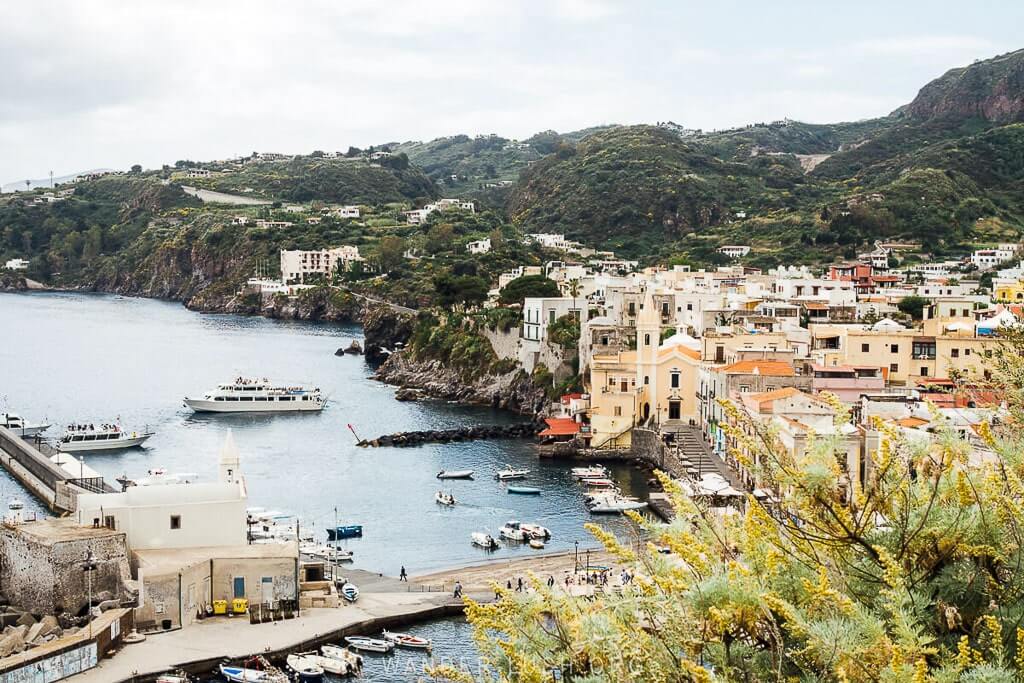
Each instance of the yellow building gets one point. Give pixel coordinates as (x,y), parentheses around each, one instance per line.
(655,384)
(1009,290)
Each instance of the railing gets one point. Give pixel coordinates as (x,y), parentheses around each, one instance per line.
(90,484)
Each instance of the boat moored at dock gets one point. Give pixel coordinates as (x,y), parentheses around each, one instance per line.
(105,437)
(367,644)
(258,396)
(406,640)
(17,424)
(340,660)
(305,667)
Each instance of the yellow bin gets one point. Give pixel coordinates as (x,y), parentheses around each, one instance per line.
(220,606)
(239,605)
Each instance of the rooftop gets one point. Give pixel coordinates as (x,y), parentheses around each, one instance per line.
(158,560)
(58,530)
(773,368)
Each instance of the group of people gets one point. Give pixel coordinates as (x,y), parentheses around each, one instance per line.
(92,428)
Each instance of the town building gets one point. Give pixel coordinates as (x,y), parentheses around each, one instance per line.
(17,264)
(297,264)
(479,246)
(733,251)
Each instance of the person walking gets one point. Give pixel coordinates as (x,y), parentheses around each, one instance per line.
(551,581)
(458,589)
(519,586)
(402,576)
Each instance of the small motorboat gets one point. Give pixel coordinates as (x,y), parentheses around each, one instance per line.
(366,644)
(524,490)
(305,667)
(349,591)
(535,530)
(510,473)
(349,531)
(455,474)
(20,427)
(596,471)
(613,504)
(444,498)
(536,544)
(173,677)
(340,660)
(598,483)
(483,540)
(255,670)
(513,531)
(16,504)
(406,640)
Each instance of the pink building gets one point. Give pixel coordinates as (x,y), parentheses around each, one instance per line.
(847,382)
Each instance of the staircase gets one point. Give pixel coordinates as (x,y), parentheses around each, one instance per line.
(690,444)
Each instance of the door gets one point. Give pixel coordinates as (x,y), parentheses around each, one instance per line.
(673,410)
(238,583)
(267,590)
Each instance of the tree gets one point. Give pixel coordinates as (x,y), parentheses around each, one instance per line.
(137,168)
(915,575)
(528,286)
(465,290)
(440,238)
(317,154)
(913,306)
(390,253)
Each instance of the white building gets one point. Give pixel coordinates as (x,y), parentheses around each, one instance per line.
(296,264)
(16,264)
(417,216)
(267,225)
(540,312)
(193,515)
(239,220)
(479,246)
(346,212)
(734,251)
(198,173)
(990,258)
(550,240)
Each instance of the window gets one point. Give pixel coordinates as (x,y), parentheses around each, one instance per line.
(551,317)
(967,352)
(175,521)
(675,380)
(967,313)
(744,388)
(954,353)
(108,521)
(689,307)
(664,308)
(632,308)
(865,348)
(924,371)
(923,350)
(647,380)
(895,348)
(647,340)
(894,367)
(618,411)
(604,341)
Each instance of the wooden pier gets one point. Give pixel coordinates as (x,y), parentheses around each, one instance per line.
(30,464)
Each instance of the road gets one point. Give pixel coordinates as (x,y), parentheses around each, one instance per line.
(223,198)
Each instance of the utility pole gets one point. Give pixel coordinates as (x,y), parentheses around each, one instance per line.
(89,566)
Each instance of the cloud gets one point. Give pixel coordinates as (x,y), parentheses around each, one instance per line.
(916,46)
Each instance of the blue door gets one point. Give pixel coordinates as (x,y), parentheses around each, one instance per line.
(239,586)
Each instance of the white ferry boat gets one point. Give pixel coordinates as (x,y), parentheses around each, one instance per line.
(104,437)
(257,396)
(18,425)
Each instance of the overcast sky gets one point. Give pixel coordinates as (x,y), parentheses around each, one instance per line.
(109,84)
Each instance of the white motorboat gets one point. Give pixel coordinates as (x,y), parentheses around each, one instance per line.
(305,667)
(514,531)
(444,498)
(258,396)
(510,473)
(535,530)
(597,471)
(175,677)
(18,425)
(598,483)
(16,504)
(255,670)
(369,644)
(105,437)
(340,660)
(406,640)
(613,504)
(483,540)
(455,474)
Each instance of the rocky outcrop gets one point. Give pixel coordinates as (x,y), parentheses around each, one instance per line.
(384,331)
(524,430)
(992,90)
(12,282)
(513,391)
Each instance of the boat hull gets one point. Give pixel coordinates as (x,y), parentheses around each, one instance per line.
(201,405)
(524,490)
(109,445)
(459,474)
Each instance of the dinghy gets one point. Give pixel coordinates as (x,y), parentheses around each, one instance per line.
(524,490)
(444,498)
(483,540)
(455,474)
(341,660)
(536,544)
(406,640)
(369,644)
(349,591)
(305,667)
(510,473)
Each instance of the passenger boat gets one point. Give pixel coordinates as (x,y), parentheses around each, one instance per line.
(598,471)
(348,531)
(349,591)
(340,660)
(16,423)
(406,640)
(369,644)
(510,473)
(305,667)
(444,498)
(107,437)
(255,670)
(258,396)
(524,490)
(455,474)
(483,540)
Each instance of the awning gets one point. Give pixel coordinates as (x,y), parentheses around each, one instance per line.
(560,426)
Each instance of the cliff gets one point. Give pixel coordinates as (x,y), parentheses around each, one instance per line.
(992,90)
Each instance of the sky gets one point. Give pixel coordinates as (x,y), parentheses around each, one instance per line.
(108,84)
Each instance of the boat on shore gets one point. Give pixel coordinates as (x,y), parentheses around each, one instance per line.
(483,540)
(305,667)
(340,660)
(367,644)
(510,473)
(443,498)
(17,424)
(246,395)
(107,437)
(349,591)
(455,474)
(406,640)
(524,490)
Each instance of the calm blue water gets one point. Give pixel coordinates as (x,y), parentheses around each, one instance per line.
(94,358)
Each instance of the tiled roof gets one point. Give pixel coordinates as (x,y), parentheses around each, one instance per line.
(774,368)
(560,426)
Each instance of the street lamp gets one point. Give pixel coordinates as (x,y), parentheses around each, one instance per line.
(576,563)
(89,566)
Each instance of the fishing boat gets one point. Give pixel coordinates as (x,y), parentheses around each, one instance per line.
(305,667)
(524,490)
(367,644)
(444,498)
(510,473)
(536,544)
(349,591)
(255,670)
(18,425)
(246,395)
(406,640)
(349,531)
(106,437)
(455,474)
(587,472)
(479,538)
(340,660)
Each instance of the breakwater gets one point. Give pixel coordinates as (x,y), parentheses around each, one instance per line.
(522,430)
